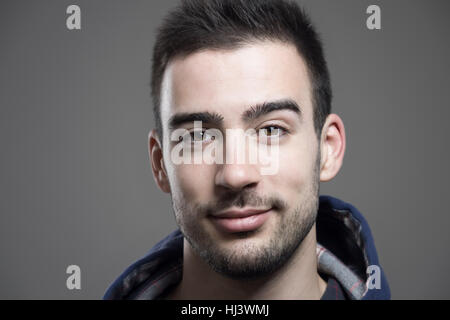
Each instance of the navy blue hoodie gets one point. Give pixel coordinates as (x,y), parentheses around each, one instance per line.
(345,250)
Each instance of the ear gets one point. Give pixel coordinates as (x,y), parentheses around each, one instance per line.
(332,147)
(157,161)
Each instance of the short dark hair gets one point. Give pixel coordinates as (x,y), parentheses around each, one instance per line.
(229,24)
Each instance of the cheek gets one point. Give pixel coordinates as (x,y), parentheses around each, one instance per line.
(195,183)
(296,169)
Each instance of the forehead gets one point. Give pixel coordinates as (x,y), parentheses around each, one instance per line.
(228,81)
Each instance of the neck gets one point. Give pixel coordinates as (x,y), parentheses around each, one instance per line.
(201,282)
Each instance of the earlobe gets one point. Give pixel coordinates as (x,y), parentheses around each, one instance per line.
(157,162)
(332,147)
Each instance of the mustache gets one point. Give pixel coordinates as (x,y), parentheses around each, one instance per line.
(242,199)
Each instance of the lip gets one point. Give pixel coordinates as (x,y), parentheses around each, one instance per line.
(241,220)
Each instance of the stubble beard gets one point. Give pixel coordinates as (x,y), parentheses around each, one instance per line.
(247,260)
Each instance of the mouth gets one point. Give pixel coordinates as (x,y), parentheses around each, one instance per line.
(234,221)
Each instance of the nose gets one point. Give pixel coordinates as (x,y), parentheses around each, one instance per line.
(237,176)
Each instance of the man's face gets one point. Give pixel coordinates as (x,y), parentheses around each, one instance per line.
(215,204)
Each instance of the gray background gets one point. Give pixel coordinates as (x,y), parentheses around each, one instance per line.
(75,180)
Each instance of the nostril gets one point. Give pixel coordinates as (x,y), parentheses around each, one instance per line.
(251,185)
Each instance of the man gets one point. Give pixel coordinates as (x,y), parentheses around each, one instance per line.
(256,66)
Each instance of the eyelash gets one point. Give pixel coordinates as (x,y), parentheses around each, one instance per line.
(284,130)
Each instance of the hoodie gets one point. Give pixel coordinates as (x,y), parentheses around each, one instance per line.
(345,251)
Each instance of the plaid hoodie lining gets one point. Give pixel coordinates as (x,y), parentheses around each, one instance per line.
(328,264)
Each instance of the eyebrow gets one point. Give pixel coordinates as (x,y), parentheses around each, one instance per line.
(262,109)
(205,117)
(216,119)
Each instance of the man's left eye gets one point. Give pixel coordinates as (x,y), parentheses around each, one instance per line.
(272,131)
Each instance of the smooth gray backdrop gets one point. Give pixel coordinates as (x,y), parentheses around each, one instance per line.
(75,180)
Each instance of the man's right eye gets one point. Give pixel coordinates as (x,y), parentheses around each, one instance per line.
(197,135)
(200,135)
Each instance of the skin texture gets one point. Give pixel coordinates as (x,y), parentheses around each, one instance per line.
(264,263)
